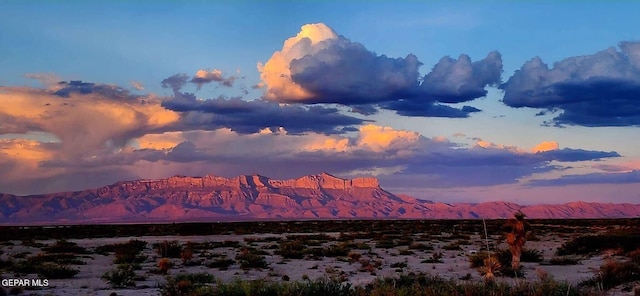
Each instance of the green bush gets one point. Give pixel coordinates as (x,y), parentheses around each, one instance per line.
(221,263)
(291,249)
(189,285)
(248,259)
(121,277)
(591,244)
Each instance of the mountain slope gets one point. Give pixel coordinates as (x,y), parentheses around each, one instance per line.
(320,196)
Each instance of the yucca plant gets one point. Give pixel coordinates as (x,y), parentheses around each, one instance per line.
(490,269)
(516,238)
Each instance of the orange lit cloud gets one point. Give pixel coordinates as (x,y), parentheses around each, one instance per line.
(162,141)
(490,145)
(379,138)
(24,151)
(84,123)
(275,73)
(21,158)
(206,76)
(546,146)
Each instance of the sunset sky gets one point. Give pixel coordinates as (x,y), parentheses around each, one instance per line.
(521,101)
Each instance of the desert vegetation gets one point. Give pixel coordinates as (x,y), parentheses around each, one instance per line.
(583,257)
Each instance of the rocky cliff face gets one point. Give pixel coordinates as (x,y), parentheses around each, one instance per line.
(244,197)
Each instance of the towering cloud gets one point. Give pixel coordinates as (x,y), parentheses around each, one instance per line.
(602,89)
(85,118)
(320,66)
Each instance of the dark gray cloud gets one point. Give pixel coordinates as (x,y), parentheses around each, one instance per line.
(570,155)
(84,88)
(602,89)
(346,73)
(486,167)
(594,178)
(364,109)
(457,81)
(425,109)
(175,82)
(252,116)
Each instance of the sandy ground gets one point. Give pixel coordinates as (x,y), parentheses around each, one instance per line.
(455,264)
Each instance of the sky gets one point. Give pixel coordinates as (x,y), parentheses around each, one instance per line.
(527,102)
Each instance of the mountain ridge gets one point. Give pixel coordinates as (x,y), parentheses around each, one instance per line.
(257,197)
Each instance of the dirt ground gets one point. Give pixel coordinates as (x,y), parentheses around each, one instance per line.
(390,262)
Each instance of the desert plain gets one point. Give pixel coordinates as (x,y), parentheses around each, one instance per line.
(141,259)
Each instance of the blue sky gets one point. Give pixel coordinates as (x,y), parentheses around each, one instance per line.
(417,135)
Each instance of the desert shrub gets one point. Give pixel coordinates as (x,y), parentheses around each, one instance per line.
(354,256)
(399,265)
(168,249)
(347,236)
(59,258)
(45,269)
(410,284)
(613,273)
(125,253)
(262,239)
(304,238)
(454,246)
(128,256)
(186,255)
(404,241)
(634,256)
(64,246)
(56,271)
(504,257)
(336,250)
(322,286)
(188,285)
(531,255)
(121,277)
(248,259)
(563,260)
(435,258)
(221,263)
(358,246)
(291,249)
(164,265)
(420,246)
(21,267)
(434,285)
(406,252)
(385,244)
(591,244)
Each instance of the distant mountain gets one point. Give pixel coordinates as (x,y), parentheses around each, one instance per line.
(257,197)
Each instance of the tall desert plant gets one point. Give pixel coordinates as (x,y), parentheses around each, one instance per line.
(516,237)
